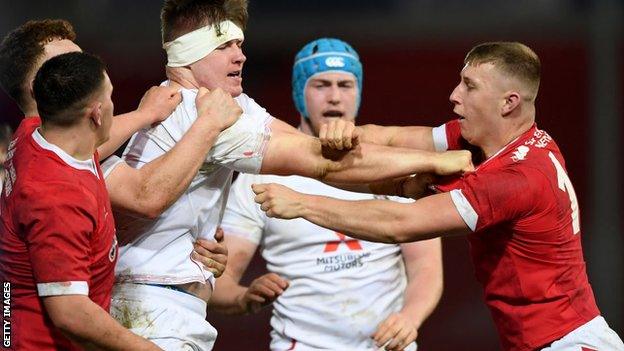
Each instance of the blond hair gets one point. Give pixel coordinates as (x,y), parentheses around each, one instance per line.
(513,59)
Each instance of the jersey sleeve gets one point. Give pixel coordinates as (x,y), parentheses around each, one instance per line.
(489,198)
(58,232)
(242,146)
(243,217)
(109,165)
(447,136)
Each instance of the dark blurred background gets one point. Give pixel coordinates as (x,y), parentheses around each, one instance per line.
(412,51)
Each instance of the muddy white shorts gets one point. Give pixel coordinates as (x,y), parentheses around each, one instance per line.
(594,335)
(171,319)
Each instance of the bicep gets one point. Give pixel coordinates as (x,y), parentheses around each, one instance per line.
(123,184)
(430,217)
(288,154)
(413,137)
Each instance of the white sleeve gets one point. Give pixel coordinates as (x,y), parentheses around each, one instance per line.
(439,138)
(242,146)
(243,217)
(109,164)
(251,107)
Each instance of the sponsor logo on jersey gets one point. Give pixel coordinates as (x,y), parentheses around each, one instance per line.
(351,244)
(342,260)
(520,153)
(345,260)
(335,61)
(540,139)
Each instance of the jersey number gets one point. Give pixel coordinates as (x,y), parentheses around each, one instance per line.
(566,185)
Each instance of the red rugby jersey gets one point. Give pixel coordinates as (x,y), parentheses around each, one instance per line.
(526,240)
(57,235)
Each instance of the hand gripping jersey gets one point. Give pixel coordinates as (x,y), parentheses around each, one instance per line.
(161,252)
(340,288)
(57,235)
(526,240)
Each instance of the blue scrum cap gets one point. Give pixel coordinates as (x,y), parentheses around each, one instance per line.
(320,56)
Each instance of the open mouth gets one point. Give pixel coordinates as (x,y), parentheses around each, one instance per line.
(333,113)
(235,74)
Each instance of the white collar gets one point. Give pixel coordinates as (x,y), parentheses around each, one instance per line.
(86,165)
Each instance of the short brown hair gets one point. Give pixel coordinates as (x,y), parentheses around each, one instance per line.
(179,17)
(21,49)
(512,58)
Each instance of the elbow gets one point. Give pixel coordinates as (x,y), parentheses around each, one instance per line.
(151,209)
(401,233)
(151,205)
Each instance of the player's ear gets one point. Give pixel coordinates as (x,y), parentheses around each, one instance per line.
(30,89)
(512,100)
(95,113)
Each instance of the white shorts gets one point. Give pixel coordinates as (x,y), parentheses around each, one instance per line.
(171,319)
(593,335)
(280,342)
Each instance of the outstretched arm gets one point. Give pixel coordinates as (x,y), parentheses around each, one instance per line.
(152,189)
(289,154)
(372,220)
(339,132)
(155,106)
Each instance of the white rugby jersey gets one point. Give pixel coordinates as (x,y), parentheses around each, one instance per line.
(340,288)
(161,253)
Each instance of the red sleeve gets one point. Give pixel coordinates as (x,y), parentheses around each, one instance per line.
(57,228)
(453,135)
(490,198)
(448,136)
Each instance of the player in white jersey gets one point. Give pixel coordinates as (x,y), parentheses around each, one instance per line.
(331,292)
(161,292)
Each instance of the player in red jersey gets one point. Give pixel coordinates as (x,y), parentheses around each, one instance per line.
(518,208)
(146,192)
(57,234)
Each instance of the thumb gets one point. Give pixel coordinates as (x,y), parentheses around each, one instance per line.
(219,235)
(258,188)
(201,92)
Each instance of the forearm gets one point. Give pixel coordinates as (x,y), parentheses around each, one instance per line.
(163,180)
(88,325)
(372,163)
(166,178)
(121,130)
(372,220)
(226,298)
(424,283)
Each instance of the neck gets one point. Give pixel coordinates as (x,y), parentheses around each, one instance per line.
(306,127)
(71,140)
(30,110)
(505,136)
(182,76)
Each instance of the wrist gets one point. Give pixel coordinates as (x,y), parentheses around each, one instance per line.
(146,117)
(306,205)
(413,319)
(242,303)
